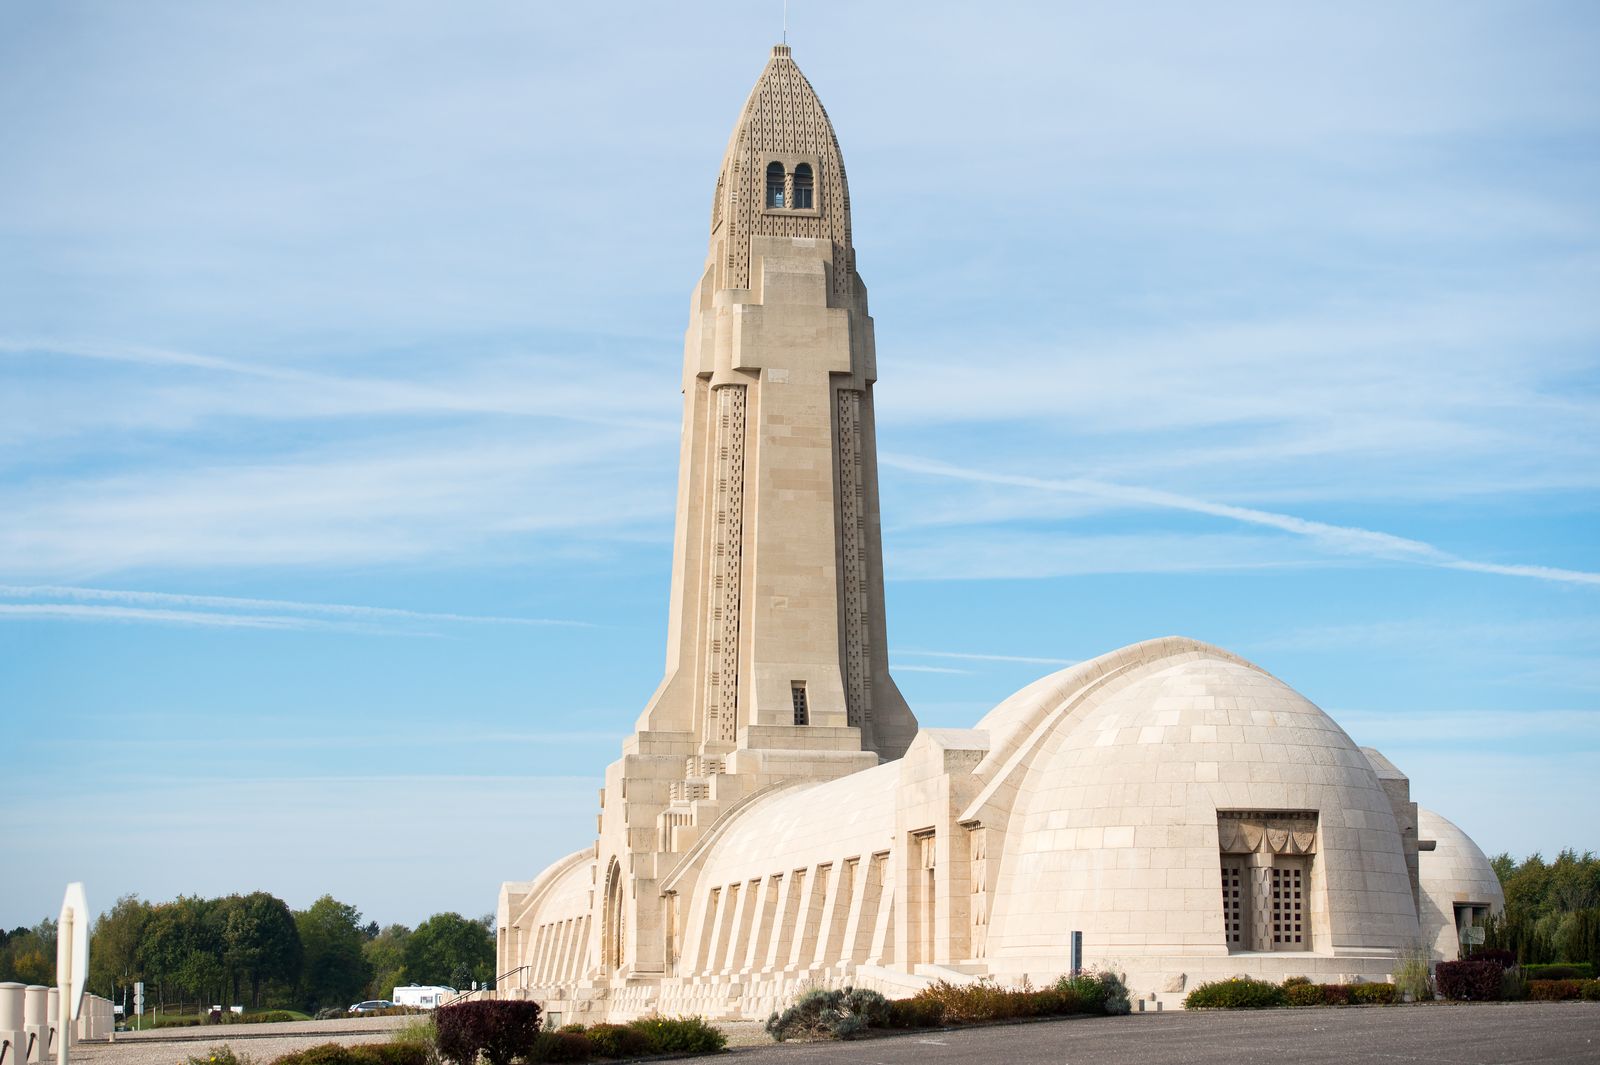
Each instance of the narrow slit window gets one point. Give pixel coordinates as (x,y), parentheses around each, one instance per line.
(803,185)
(775,185)
(802,713)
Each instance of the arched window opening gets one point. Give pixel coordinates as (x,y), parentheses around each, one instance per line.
(803,184)
(612,930)
(775,185)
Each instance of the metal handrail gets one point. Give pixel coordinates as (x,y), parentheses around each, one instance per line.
(460,995)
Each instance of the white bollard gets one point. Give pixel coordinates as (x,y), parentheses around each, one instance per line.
(36,1021)
(53,1018)
(13,1037)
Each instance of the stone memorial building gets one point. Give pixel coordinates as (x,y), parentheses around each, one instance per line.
(778,818)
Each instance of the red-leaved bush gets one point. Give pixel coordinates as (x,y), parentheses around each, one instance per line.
(1475,981)
(501,1030)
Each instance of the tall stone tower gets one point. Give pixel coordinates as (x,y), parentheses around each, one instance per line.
(777,663)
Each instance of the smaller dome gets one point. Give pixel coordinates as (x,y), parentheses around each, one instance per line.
(1458,885)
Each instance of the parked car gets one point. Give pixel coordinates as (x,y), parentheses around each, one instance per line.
(372,1005)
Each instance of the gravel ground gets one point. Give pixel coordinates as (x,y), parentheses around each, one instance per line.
(260,1042)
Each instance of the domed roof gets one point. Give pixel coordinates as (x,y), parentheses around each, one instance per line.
(1454,872)
(1116,821)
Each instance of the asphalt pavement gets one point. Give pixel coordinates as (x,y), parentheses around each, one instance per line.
(1446,1034)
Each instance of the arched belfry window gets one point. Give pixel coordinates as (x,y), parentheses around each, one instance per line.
(775,185)
(803,184)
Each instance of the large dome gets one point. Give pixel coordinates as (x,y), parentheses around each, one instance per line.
(1116,828)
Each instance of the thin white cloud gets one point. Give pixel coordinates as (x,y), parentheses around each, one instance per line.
(898,667)
(83,612)
(1338,539)
(445,496)
(252,607)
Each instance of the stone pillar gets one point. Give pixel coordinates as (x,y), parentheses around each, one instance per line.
(36,1021)
(1260,870)
(13,1036)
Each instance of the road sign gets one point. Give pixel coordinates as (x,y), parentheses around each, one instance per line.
(138,997)
(72,964)
(72,947)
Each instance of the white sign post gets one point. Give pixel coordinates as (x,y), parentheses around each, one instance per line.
(72,964)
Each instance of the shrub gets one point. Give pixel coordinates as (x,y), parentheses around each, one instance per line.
(1413,976)
(419,1033)
(680,1035)
(222,1055)
(824,1014)
(1474,981)
(365,1054)
(328,1013)
(1555,990)
(617,1041)
(913,1013)
(1239,993)
(1374,994)
(1503,958)
(559,1047)
(1104,989)
(265,1017)
(1575,971)
(1335,994)
(965,1003)
(1296,981)
(1591,991)
(1513,985)
(1304,994)
(501,1030)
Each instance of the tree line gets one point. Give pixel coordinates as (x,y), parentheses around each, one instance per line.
(1552,909)
(253,950)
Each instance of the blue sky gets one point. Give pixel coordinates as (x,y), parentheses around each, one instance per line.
(339,350)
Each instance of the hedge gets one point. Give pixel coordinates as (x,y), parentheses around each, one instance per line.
(362,1054)
(1567,971)
(1468,981)
(1564,990)
(1239,993)
(680,1035)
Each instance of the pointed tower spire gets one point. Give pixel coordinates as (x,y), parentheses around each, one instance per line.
(784,123)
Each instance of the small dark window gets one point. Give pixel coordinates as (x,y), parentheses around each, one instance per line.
(774,184)
(802,715)
(802,186)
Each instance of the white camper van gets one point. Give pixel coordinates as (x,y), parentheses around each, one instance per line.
(423,998)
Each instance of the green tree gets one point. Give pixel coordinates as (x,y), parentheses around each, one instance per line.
(386,953)
(334,971)
(1552,909)
(182,950)
(261,941)
(28,955)
(114,958)
(449,949)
